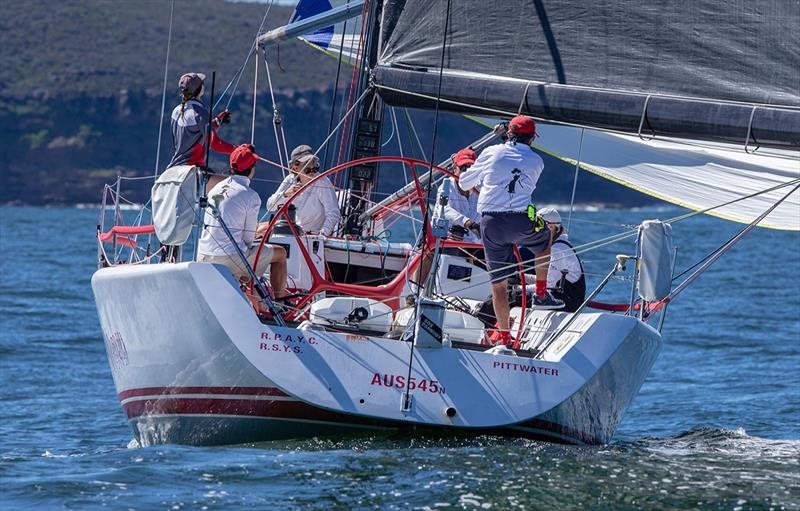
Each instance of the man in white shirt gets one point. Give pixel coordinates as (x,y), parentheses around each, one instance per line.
(506,175)
(462,206)
(317,210)
(238,206)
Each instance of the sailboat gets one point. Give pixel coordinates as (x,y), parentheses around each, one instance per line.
(693,102)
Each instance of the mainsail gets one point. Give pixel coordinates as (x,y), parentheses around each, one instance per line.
(697,69)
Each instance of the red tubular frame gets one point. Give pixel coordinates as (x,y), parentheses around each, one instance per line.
(381,292)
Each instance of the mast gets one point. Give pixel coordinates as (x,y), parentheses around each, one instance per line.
(366,132)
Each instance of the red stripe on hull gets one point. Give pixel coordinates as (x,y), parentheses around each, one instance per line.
(298,410)
(242,407)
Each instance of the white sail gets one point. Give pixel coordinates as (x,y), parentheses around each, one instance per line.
(696,177)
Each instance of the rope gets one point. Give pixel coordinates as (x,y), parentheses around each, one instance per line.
(575,181)
(426,216)
(726,247)
(255,98)
(410,123)
(276,119)
(335,89)
(238,75)
(164,90)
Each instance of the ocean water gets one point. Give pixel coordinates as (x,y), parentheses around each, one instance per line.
(715,426)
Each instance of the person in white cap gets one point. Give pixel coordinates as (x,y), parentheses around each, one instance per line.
(565,278)
(189,124)
(317,210)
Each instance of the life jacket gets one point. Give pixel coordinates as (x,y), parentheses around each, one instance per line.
(572,293)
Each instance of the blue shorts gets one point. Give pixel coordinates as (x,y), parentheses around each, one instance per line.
(500,232)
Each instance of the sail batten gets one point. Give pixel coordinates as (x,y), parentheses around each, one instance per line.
(699,69)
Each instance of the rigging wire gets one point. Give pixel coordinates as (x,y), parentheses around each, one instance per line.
(354,85)
(335,90)
(426,216)
(396,129)
(276,117)
(727,246)
(238,76)
(575,181)
(410,124)
(255,98)
(164,90)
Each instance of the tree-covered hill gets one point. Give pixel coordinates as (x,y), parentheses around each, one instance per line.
(81,82)
(99,47)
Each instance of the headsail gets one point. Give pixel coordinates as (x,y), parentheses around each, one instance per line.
(700,69)
(324,25)
(696,177)
(321,24)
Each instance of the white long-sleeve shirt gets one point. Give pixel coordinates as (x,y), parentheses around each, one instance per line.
(562,257)
(239,210)
(459,209)
(506,175)
(316,208)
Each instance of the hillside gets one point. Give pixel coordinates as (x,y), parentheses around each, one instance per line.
(80,95)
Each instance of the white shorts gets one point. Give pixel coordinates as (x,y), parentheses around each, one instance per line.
(234,262)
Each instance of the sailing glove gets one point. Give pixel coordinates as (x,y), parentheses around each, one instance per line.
(223,117)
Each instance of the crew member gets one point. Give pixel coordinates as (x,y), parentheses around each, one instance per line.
(189,124)
(317,210)
(238,206)
(565,277)
(507,174)
(462,206)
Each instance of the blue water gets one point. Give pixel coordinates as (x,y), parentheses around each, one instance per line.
(716,425)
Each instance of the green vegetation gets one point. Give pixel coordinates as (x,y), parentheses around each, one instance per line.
(99,47)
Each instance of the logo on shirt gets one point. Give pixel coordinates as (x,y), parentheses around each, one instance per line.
(513,184)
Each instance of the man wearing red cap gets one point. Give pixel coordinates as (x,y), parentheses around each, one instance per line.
(506,175)
(239,206)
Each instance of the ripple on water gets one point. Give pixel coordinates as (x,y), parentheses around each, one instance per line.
(703,433)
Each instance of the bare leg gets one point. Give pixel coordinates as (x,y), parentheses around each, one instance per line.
(500,302)
(278,272)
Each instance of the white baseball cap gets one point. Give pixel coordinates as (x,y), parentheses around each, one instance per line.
(549,215)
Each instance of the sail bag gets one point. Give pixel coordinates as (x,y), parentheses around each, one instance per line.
(173,199)
(656,253)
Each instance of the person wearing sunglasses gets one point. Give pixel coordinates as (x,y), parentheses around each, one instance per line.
(317,210)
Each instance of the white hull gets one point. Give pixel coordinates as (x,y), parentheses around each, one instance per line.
(190,359)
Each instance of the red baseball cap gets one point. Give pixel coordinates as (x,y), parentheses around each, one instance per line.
(522,125)
(465,157)
(243,157)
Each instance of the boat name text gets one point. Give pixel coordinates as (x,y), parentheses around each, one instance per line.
(513,366)
(399,382)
